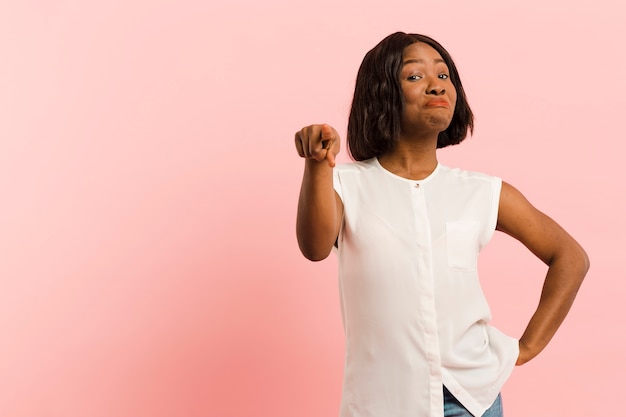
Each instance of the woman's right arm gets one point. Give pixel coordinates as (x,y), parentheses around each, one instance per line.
(320,209)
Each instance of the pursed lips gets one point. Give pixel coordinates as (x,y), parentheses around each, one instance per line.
(437,103)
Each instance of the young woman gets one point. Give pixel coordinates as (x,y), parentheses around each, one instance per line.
(408,232)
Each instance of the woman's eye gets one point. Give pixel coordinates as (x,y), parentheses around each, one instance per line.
(414,77)
(444,76)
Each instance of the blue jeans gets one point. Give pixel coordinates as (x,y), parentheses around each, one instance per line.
(453,408)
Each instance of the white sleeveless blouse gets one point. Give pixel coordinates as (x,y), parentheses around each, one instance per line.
(414,314)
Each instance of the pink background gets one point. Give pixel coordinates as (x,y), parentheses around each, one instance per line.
(148,183)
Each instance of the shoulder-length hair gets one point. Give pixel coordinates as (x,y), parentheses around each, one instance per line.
(375,118)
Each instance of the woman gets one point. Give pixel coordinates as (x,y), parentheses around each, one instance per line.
(408,232)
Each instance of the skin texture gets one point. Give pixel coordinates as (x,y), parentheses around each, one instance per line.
(429,95)
(429,107)
(567,265)
(320,209)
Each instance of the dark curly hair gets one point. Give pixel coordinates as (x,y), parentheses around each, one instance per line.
(378,104)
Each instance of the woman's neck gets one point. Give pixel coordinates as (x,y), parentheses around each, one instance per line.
(414,160)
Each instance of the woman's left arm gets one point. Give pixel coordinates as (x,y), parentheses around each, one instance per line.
(567,265)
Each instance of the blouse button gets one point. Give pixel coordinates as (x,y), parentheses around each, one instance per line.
(417,185)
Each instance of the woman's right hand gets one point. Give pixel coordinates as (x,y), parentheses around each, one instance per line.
(319,143)
(320,210)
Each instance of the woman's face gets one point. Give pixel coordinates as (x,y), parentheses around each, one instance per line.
(429,94)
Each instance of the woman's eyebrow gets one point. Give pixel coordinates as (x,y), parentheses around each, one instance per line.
(421,61)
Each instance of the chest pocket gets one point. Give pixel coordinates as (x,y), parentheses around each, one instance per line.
(462,245)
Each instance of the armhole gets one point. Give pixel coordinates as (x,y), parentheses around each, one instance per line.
(494,206)
(337,183)
(340,233)
(337,187)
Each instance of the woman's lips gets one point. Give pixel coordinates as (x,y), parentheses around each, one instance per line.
(438,103)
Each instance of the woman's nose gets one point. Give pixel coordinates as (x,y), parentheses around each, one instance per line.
(435,89)
(435,86)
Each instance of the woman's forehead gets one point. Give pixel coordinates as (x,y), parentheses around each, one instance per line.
(420,52)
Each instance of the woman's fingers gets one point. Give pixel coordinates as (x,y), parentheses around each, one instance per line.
(318,142)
